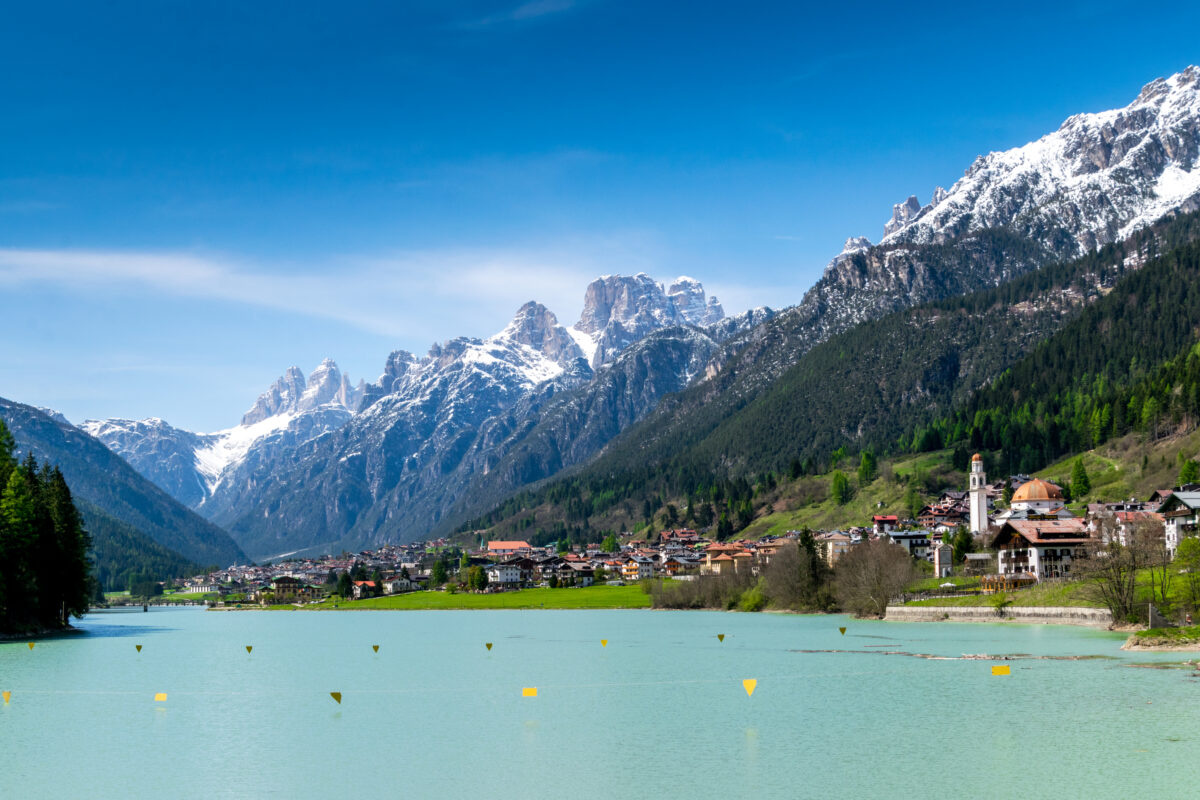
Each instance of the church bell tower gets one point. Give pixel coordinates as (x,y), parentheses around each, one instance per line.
(978,490)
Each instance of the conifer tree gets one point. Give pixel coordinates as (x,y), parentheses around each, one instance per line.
(1081,484)
(45,572)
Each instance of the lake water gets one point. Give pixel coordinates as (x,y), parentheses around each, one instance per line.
(660,712)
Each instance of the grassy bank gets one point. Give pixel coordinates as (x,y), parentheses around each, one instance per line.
(587,597)
(1167,637)
(1040,595)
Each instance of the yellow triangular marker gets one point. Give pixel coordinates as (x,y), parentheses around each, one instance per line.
(720,637)
(336,696)
(375,647)
(139,647)
(7,696)
(161,697)
(488,645)
(749,685)
(31,645)
(843,630)
(604,642)
(1004,670)
(249,647)
(529,691)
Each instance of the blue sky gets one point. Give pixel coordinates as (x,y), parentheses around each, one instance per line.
(194,196)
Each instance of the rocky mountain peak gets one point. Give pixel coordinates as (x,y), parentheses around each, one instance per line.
(620,299)
(537,327)
(1095,180)
(619,310)
(902,214)
(713,312)
(294,393)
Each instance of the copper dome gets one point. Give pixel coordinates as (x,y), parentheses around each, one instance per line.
(1037,489)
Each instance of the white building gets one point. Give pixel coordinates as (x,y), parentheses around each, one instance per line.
(1181,517)
(504,574)
(1042,548)
(979,499)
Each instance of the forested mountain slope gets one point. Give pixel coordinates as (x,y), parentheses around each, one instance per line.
(891,385)
(101,479)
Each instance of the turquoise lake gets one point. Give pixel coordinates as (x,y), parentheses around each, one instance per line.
(660,712)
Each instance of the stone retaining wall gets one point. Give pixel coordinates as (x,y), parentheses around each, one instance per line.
(1050,615)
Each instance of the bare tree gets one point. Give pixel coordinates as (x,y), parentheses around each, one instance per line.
(1148,536)
(795,577)
(870,574)
(1109,570)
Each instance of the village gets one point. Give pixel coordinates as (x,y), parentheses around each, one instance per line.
(1029,538)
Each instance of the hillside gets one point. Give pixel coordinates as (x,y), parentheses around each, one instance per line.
(102,480)
(121,552)
(889,386)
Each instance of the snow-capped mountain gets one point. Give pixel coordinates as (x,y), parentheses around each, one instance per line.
(192,466)
(618,311)
(431,423)
(388,458)
(1096,179)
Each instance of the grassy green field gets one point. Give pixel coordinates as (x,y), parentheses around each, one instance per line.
(933,584)
(1170,637)
(1040,595)
(587,597)
(1129,466)
(807,503)
(166,597)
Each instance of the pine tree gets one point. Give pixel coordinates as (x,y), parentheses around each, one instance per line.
(1189,472)
(839,487)
(1081,484)
(868,468)
(18,517)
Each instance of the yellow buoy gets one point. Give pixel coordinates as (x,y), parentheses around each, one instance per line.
(375,647)
(604,642)
(161,697)
(7,696)
(1004,670)
(139,647)
(749,684)
(336,696)
(488,645)
(31,645)
(843,630)
(720,637)
(529,691)
(249,647)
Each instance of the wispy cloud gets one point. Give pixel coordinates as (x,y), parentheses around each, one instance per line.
(414,296)
(522,13)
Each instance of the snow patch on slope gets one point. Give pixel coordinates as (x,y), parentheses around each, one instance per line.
(586,341)
(230,446)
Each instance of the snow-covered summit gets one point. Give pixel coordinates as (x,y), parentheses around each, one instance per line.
(191,466)
(292,393)
(1097,178)
(619,310)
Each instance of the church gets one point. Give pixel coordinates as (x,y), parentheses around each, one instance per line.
(1037,536)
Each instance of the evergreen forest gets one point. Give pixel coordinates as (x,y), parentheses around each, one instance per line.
(45,573)
(1050,363)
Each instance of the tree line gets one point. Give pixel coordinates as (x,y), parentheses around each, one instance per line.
(797,578)
(965,372)
(45,574)
(1130,363)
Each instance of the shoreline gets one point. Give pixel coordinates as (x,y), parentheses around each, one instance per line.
(49,633)
(1132,646)
(1081,616)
